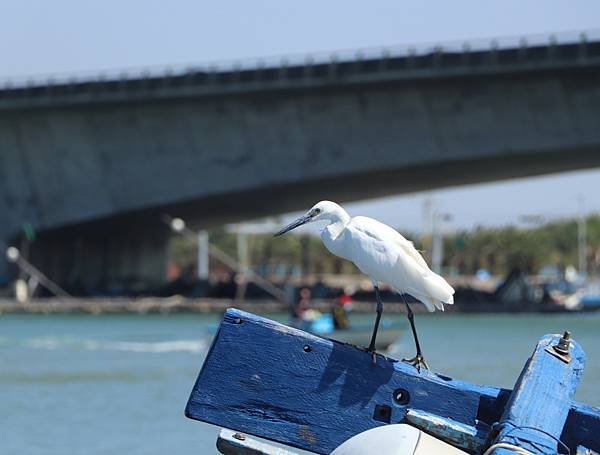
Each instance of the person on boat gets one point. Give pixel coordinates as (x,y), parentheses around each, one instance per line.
(301,306)
(340,310)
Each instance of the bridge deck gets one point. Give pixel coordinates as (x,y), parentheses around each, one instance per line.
(434,63)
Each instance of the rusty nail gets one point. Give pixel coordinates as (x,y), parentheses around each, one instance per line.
(239,436)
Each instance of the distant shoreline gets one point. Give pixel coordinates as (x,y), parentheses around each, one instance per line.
(177,304)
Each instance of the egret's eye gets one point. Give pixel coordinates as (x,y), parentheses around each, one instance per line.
(316,211)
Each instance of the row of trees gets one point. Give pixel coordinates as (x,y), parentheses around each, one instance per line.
(495,249)
(501,249)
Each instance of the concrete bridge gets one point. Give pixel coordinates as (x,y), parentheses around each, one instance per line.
(93,163)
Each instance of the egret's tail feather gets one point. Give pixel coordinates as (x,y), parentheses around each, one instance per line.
(432,290)
(432,304)
(439,304)
(437,287)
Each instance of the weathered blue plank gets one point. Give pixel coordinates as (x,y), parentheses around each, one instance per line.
(269,380)
(540,402)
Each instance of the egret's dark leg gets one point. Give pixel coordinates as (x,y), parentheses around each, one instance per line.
(418,361)
(377,319)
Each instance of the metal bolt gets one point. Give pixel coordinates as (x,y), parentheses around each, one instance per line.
(237,321)
(401,396)
(563,344)
(306,348)
(239,436)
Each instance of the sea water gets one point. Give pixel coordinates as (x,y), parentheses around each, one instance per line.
(80,384)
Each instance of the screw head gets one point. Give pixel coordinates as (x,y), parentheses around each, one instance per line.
(401,396)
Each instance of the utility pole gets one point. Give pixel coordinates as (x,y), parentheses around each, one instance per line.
(582,237)
(203,256)
(426,235)
(437,248)
(437,241)
(242,253)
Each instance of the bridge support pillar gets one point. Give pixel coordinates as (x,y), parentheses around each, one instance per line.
(4,266)
(108,258)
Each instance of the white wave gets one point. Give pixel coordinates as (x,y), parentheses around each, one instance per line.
(45,343)
(157,346)
(51,343)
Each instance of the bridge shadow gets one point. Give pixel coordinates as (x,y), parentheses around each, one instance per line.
(350,374)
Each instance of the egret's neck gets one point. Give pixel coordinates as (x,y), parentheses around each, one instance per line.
(337,222)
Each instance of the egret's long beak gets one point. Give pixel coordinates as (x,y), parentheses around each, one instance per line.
(294,224)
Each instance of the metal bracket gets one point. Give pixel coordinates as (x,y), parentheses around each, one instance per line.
(235,443)
(564,357)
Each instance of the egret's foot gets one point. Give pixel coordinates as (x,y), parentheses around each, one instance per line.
(373,356)
(373,353)
(417,361)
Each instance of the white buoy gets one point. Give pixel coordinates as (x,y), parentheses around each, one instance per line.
(397,439)
(21,291)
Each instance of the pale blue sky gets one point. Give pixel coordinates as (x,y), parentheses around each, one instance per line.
(42,37)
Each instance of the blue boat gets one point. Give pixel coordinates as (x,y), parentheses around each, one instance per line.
(357,333)
(279,383)
(590,297)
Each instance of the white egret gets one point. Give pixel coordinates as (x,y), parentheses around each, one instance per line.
(384,255)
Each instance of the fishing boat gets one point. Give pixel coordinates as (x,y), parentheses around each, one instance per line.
(264,379)
(357,332)
(589,299)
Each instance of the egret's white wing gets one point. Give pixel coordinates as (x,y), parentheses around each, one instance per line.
(385,255)
(385,233)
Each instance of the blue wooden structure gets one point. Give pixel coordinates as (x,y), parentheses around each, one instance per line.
(535,415)
(276,382)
